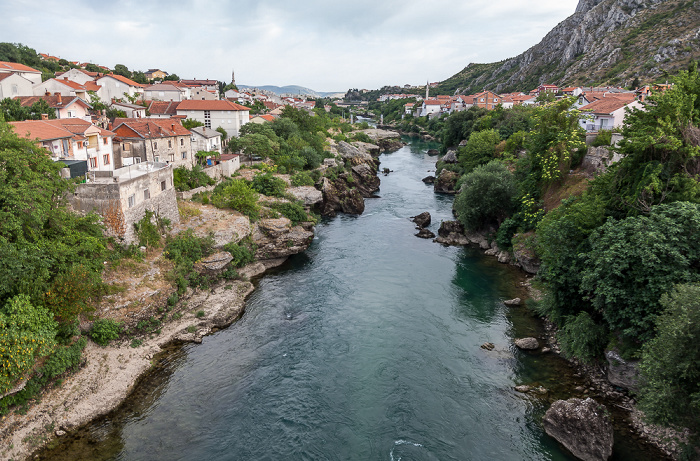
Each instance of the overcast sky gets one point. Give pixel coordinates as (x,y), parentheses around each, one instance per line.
(325,45)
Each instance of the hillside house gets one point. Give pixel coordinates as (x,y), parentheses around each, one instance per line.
(114,86)
(27,72)
(65,107)
(167,91)
(63,86)
(122,197)
(162,109)
(606,114)
(80,76)
(214,114)
(152,140)
(206,139)
(155,74)
(130,110)
(13,85)
(71,139)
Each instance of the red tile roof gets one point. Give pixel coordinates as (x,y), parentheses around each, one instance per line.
(606,105)
(149,128)
(16,67)
(217,104)
(123,79)
(52,100)
(55,129)
(163,107)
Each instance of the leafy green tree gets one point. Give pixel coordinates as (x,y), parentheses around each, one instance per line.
(121,69)
(634,261)
(670,364)
(266,184)
(237,195)
(479,150)
(486,196)
(224,134)
(190,123)
(139,77)
(172,77)
(254,144)
(90,67)
(460,125)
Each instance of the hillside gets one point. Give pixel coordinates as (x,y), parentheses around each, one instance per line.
(608,42)
(293,89)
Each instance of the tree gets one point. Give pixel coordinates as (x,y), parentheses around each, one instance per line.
(190,123)
(486,196)
(90,67)
(670,363)
(172,78)
(237,195)
(460,125)
(121,69)
(634,261)
(224,134)
(139,77)
(479,150)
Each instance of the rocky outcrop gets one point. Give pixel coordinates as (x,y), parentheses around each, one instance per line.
(277,238)
(365,179)
(597,160)
(450,157)
(429,179)
(308,195)
(338,195)
(422,220)
(425,234)
(386,140)
(622,373)
(445,182)
(353,155)
(524,256)
(582,426)
(527,344)
(512,302)
(451,233)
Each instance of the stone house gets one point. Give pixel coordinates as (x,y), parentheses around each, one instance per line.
(153,140)
(487,99)
(122,197)
(214,114)
(167,91)
(63,86)
(206,139)
(13,85)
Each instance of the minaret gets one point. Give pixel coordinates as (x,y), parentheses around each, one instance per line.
(233,78)
(427,88)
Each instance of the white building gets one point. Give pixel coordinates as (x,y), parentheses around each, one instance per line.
(206,139)
(214,114)
(114,86)
(606,114)
(167,91)
(27,72)
(13,85)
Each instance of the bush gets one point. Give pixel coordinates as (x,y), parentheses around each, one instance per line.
(303,178)
(147,231)
(486,196)
(269,185)
(604,138)
(187,248)
(185,179)
(28,332)
(582,338)
(238,195)
(242,255)
(670,363)
(105,330)
(294,211)
(311,157)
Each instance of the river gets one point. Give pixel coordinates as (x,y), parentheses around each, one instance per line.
(365,347)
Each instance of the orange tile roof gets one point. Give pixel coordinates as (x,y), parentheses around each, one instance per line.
(52,100)
(69,83)
(123,79)
(150,128)
(16,67)
(606,105)
(217,104)
(55,129)
(163,107)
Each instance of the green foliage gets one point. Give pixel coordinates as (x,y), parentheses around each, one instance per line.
(185,179)
(105,330)
(486,196)
(670,363)
(26,332)
(303,178)
(294,211)
(604,138)
(185,249)
(582,338)
(224,134)
(115,113)
(242,254)
(147,230)
(269,185)
(238,195)
(200,314)
(190,123)
(632,262)
(12,110)
(479,150)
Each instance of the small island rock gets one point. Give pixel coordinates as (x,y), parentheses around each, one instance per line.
(422,220)
(425,234)
(527,344)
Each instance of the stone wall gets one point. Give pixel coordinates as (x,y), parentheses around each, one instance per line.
(223,169)
(187,195)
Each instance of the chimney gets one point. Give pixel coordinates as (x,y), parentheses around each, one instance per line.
(44,116)
(65,78)
(48,93)
(58,98)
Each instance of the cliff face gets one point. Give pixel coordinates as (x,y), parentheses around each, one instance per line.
(603,42)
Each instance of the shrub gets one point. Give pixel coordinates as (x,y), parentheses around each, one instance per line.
(294,211)
(311,157)
(670,363)
(269,185)
(582,338)
(199,314)
(242,255)
(185,179)
(486,196)
(238,195)
(147,231)
(604,138)
(303,178)
(105,330)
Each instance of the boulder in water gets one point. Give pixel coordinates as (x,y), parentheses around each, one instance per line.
(527,344)
(512,302)
(425,234)
(584,428)
(422,220)
(429,179)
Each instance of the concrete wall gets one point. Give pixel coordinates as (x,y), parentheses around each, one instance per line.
(223,169)
(15,85)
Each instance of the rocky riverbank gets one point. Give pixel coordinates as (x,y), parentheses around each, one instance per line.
(109,374)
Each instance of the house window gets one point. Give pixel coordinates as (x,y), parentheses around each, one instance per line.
(146,194)
(117,85)
(132,200)
(172,157)
(155,144)
(170,143)
(104,141)
(182,142)
(105,159)
(482,100)
(93,162)
(495,100)
(207,119)
(162,185)
(15,90)
(126,146)
(184,155)
(156,159)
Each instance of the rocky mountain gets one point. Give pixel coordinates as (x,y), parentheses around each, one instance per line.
(605,42)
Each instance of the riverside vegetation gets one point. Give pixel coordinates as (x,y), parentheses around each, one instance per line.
(620,258)
(53,262)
